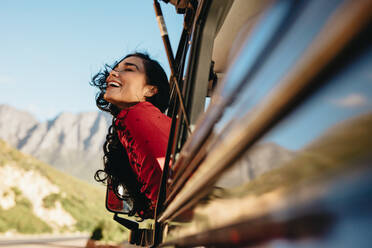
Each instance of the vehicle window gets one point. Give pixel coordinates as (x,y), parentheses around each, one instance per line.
(288,48)
(285,132)
(324,134)
(327,134)
(330,130)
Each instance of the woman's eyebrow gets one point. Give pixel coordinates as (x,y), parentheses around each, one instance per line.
(130,64)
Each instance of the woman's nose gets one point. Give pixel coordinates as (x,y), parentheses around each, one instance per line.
(114,73)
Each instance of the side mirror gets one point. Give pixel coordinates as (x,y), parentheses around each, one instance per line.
(114,204)
(138,236)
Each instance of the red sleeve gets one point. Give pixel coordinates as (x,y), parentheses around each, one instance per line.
(144,131)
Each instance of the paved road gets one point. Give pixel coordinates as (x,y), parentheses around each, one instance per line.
(45,242)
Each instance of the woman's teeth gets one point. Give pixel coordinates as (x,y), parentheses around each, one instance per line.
(113,84)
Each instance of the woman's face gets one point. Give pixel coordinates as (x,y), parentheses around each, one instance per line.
(126,83)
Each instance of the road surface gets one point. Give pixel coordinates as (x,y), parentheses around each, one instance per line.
(45,242)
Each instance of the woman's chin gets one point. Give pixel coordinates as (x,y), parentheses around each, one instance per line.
(118,102)
(109,98)
(105,96)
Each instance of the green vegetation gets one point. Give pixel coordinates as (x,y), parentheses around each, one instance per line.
(20,217)
(16,191)
(50,200)
(105,232)
(85,202)
(97,233)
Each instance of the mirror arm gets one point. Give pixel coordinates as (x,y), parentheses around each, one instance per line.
(131,225)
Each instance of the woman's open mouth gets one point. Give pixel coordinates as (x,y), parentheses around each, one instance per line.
(113,84)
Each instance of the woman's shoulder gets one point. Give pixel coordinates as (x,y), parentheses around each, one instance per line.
(141,111)
(145,106)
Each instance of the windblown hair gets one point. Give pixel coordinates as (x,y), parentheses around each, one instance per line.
(117,171)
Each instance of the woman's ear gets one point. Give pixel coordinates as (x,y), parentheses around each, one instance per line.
(150,90)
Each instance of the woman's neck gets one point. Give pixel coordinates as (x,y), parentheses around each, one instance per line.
(128,105)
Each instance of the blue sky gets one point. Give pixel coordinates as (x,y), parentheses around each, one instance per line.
(50,49)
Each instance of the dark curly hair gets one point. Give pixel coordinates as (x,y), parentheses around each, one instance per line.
(117,171)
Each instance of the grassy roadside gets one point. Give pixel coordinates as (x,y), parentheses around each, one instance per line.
(83,201)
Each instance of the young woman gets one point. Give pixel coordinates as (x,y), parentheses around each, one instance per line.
(136,93)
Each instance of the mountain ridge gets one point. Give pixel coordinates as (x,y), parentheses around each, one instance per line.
(69,142)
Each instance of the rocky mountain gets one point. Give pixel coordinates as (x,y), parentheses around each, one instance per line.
(15,124)
(70,142)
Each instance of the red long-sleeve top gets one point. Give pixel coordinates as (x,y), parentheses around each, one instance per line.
(144,130)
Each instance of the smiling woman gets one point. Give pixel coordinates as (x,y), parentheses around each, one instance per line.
(135,91)
(126,83)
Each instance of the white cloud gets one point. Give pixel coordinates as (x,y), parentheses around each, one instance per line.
(351,100)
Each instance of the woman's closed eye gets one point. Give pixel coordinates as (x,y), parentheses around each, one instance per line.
(122,69)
